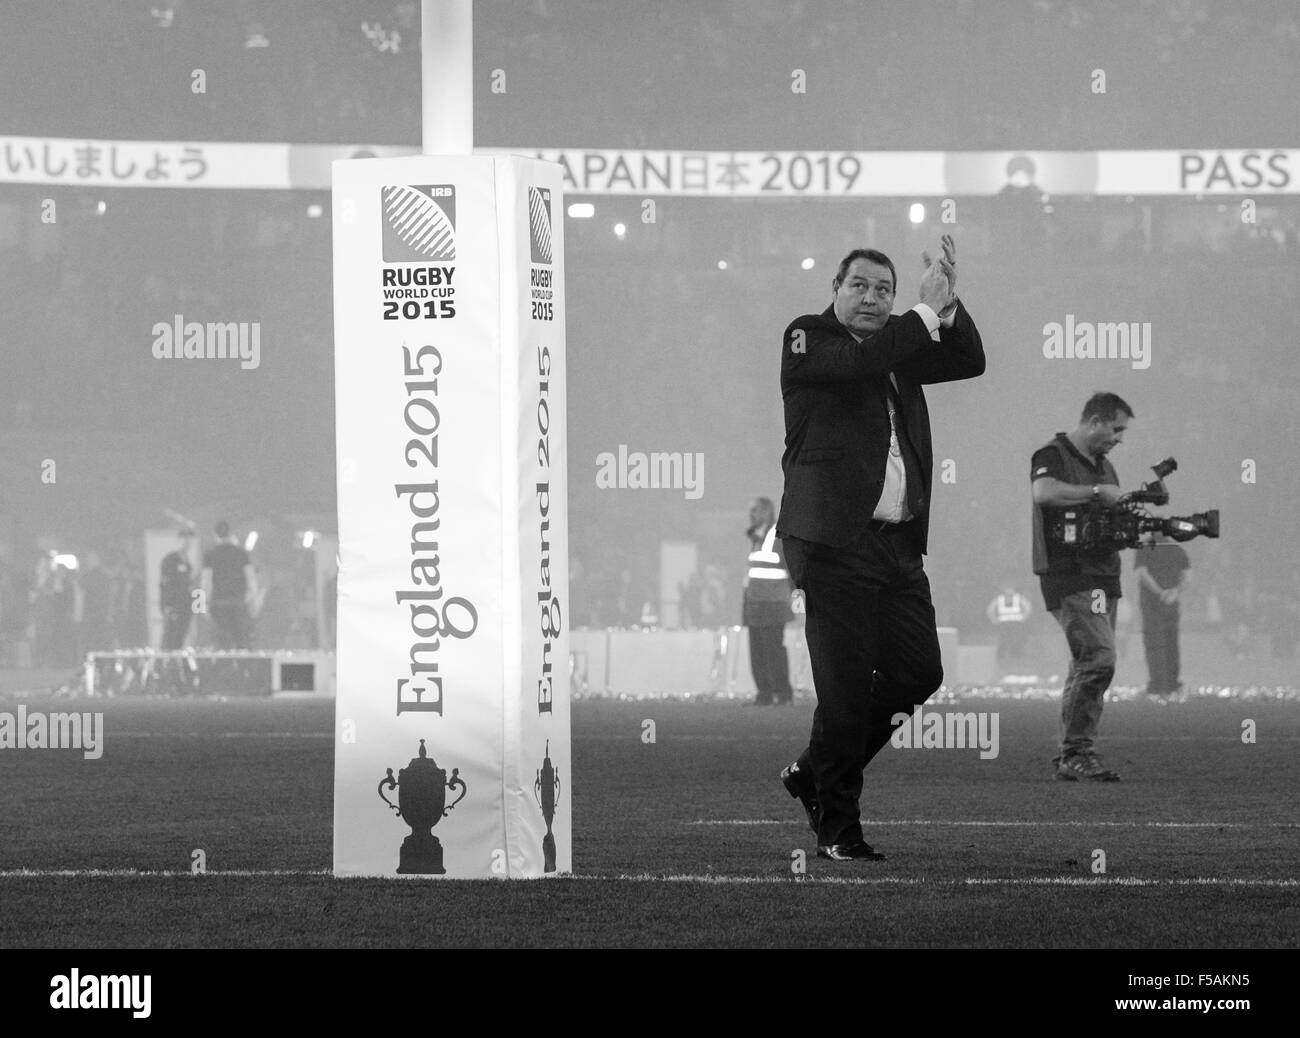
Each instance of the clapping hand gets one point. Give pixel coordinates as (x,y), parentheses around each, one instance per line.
(939,281)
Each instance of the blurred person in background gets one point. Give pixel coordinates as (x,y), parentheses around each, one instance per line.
(713,597)
(688,596)
(40,611)
(176,591)
(1009,613)
(1162,569)
(54,613)
(95,606)
(230,586)
(765,607)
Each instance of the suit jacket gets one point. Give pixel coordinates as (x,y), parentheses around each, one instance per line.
(835,391)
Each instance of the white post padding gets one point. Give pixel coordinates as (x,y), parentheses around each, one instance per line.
(453,519)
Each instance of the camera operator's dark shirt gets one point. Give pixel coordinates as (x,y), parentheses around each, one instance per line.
(1067,572)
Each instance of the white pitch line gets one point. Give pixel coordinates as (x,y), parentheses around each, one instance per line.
(220,735)
(1000,825)
(1132,881)
(1007,881)
(1210,737)
(706,878)
(670,737)
(154,873)
(689,737)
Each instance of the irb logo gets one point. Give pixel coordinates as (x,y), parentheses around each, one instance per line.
(539,223)
(419,223)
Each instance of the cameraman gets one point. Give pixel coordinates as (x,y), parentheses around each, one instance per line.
(1081,589)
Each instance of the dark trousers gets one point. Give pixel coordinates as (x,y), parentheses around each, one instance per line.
(1160,639)
(770,664)
(176,625)
(230,624)
(875,653)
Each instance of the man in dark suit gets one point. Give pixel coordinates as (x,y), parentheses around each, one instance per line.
(854,518)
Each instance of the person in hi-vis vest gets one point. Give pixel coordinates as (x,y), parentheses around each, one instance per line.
(766,607)
(1010,612)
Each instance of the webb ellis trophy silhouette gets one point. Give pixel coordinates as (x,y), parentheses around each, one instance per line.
(421,803)
(546,790)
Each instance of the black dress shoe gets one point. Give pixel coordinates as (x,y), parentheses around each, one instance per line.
(798,783)
(859,851)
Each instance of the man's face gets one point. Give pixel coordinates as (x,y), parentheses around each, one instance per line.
(1102,436)
(757,514)
(865,298)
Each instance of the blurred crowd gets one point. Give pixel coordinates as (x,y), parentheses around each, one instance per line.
(1252,608)
(57,606)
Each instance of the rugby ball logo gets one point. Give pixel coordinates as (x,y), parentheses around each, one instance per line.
(539,223)
(419,223)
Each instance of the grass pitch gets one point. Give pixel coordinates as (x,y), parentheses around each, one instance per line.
(689,841)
